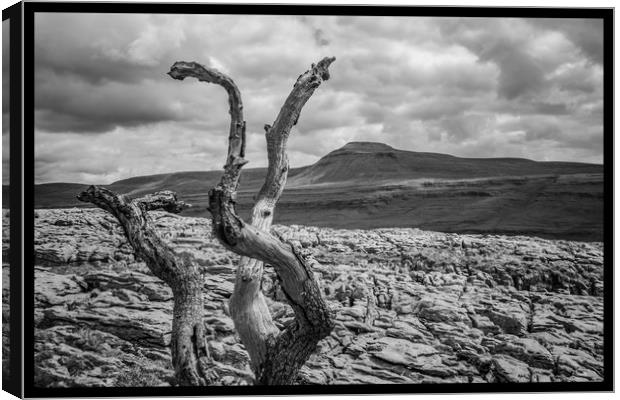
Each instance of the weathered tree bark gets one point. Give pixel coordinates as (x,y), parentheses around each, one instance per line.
(190,356)
(276,356)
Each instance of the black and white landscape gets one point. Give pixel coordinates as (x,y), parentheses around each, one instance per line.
(445,179)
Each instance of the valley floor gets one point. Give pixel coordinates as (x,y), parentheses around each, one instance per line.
(568,207)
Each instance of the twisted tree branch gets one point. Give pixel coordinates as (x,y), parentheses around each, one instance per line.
(236,137)
(276,356)
(190,355)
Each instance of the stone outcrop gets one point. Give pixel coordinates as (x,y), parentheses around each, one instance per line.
(411,306)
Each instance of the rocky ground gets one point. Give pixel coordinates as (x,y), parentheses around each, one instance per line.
(411,306)
(5,296)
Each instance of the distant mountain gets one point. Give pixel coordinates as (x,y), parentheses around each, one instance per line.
(369,162)
(365,163)
(187,184)
(372,185)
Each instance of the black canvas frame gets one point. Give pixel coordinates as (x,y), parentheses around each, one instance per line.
(30,9)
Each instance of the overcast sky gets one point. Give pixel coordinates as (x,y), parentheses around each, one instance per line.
(5,101)
(106,110)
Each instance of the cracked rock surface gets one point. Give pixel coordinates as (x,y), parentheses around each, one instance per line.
(411,306)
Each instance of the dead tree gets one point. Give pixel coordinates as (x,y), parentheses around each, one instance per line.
(190,356)
(276,356)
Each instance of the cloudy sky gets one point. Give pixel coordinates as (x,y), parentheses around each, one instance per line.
(5,101)
(106,110)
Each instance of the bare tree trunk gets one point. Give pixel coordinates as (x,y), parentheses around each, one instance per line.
(276,356)
(190,356)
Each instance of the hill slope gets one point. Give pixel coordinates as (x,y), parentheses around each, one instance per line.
(372,185)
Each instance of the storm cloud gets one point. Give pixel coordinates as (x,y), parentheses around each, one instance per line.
(477,87)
